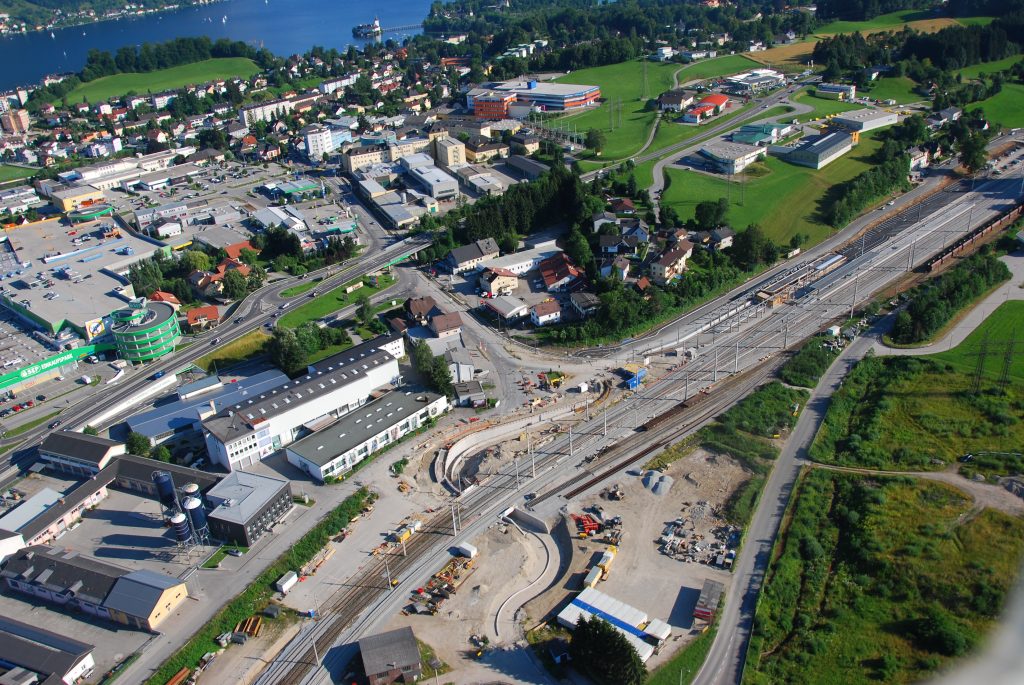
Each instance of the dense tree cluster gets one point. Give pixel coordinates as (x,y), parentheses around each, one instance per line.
(291,349)
(600,651)
(851,197)
(434,370)
(859,10)
(937,301)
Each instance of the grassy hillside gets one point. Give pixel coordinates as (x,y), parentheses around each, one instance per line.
(1005,108)
(164,79)
(879,580)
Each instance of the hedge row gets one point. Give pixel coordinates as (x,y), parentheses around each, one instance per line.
(256,596)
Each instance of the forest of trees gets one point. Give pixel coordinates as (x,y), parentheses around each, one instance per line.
(937,301)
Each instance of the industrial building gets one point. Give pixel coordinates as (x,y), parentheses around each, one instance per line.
(335,449)
(449,151)
(391,657)
(251,430)
(707,602)
(761,134)
(549,96)
(522,262)
(179,423)
(78,454)
(507,307)
(29,654)
(138,599)
(817,151)
(836,91)
(55,263)
(435,182)
(732,158)
(756,81)
(244,506)
(631,622)
(144,330)
(863,120)
(391,343)
(48,514)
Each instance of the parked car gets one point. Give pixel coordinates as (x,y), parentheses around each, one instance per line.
(235,552)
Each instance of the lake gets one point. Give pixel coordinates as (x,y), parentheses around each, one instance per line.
(284,27)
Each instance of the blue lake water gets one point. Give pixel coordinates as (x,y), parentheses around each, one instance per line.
(284,27)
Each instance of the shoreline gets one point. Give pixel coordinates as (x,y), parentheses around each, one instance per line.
(99,20)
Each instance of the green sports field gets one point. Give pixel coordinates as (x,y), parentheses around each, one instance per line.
(164,79)
(13,173)
(784,202)
(625,81)
(1005,108)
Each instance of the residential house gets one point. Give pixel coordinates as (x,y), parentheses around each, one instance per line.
(498,281)
(482,149)
(469,394)
(675,100)
(558,272)
(390,657)
(418,310)
(615,244)
(202,318)
(460,364)
(602,218)
(623,205)
(672,263)
(547,312)
(721,238)
(169,298)
(617,267)
(585,304)
(446,325)
(468,257)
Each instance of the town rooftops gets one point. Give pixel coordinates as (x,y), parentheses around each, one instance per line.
(63,571)
(421,307)
(547,307)
(442,323)
(360,425)
(40,651)
(387,651)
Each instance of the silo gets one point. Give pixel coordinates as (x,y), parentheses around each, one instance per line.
(165,489)
(191,490)
(197,517)
(182,533)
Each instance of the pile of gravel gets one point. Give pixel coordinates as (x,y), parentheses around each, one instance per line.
(663,485)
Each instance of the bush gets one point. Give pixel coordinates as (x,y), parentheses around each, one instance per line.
(938,631)
(807,366)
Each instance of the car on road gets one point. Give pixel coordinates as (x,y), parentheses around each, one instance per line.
(215,341)
(55,424)
(284,306)
(158,375)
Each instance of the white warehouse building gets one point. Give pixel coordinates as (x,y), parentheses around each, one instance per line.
(252,430)
(438,184)
(337,448)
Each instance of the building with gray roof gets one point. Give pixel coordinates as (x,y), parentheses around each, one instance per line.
(247,505)
(144,600)
(334,450)
(864,120)
(391,656)
(77,453)
(817,151)
(179,423)
(36,655)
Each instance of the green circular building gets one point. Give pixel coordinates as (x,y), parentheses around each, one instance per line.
(90,213)
(145,330)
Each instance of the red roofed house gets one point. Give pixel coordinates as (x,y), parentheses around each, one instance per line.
(234,251)
(208,283)
(558,272)
(698,113)
(169,298)
(498,281)
(543,313)
(201,318)
(623,205)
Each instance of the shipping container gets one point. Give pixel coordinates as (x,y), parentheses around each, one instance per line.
(466,550)
(286,582)
(593,576)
